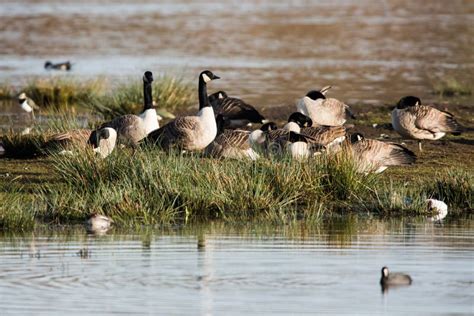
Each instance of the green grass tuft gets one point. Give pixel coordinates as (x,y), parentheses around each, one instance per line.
(451,87)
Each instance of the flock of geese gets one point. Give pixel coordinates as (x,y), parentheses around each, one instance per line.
(217,129)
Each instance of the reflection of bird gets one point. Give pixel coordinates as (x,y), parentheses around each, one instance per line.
(413,120)
(65,142)
(27,104)
(190,132)
(59,66)
(236,112)
(132,128)
(394,279)
(322,110)
(373,155)
(103,141)
(98,224)
(437,206)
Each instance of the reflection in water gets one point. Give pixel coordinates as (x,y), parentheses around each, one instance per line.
(250,269)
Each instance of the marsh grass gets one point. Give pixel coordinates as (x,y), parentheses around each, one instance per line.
(61,93)
(100,96)
(451,87)
(22,146)
(31,145)
(170,93)
(159,188)
(162,189)
(17,211)
(454,187)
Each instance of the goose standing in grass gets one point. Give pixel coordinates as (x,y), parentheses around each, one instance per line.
(324,111)
(230,143)
(372,155)
(64,143)
(66,66)
(236,112)
(27,104)
(103,141)
(393,279)
(132,128)
(190,132)
(413,120)
(98,224)
(439,207)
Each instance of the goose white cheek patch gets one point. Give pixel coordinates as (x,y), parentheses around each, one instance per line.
(206,78)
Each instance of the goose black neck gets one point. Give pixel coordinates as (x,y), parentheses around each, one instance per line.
(203,98)
(147,96)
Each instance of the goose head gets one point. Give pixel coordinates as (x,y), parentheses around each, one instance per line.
(357,137)
(315,95)
(148,77)
(207,76)
(407,102)
(384,272)
(22,97)
(48,64)
(219,95)
(258,137)
(103,141)
(296,137)
(270,126)
(300,119)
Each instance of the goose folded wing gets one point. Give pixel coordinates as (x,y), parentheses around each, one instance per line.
(435,121)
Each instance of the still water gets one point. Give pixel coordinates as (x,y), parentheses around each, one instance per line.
(332,268)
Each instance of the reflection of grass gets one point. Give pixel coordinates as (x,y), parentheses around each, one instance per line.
(451,87)
(17,211)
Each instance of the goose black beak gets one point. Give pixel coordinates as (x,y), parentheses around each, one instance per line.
(216,77)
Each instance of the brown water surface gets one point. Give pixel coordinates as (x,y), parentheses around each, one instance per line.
(268,52)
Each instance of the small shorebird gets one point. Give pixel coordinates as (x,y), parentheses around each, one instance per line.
(27,104)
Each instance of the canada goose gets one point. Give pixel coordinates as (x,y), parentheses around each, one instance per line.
(103,141)
(393,279)
(190,132)
(132,128)
(324,111)
(98,224)
(413,120)
(59,66)
(27,104)
(289,139)
(65,142)
(257,137)
(372,155)
(328,136)
(439,207)
(236,112)
(219,95)
(230,143)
